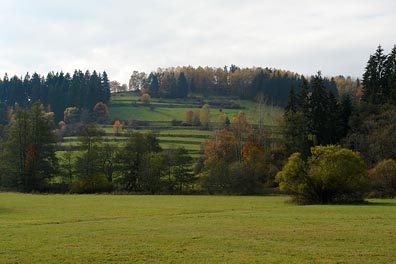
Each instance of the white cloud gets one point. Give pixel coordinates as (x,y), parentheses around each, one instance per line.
(120,36)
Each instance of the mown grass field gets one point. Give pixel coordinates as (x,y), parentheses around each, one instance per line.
(192,229)
(129,108)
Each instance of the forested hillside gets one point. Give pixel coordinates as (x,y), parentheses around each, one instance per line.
(243,83)
(204,130)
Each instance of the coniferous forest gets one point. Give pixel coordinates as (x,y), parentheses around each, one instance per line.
(56,91)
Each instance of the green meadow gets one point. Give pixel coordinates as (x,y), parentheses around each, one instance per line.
(158,118)
(129,108)
(192,229)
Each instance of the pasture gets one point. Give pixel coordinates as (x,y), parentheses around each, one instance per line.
(192,229)
(158,118)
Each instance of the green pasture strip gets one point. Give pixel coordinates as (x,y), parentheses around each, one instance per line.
(192,229)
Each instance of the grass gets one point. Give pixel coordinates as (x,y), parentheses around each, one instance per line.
(191,229)
(121,107)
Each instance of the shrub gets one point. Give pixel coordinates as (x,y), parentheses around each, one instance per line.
(176,122)
(96,184)
(331,175)
(383,179)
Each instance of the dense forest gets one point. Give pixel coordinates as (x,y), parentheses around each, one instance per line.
(56,91)
(334,147)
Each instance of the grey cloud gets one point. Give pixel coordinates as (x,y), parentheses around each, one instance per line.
(121,36)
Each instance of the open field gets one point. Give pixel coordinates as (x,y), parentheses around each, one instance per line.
(192,229)
(128,108)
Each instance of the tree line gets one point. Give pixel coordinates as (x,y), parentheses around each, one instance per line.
(30,163)
(379,78)
(243,83)
(56,91)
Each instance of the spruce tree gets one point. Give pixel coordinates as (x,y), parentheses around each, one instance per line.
(345,114)
(182,86)
(374,83)
(318,110)
(390,72)
(106,88)
(332,128)
(292,104)
(153,85)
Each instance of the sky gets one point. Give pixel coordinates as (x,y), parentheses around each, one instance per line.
(120,36)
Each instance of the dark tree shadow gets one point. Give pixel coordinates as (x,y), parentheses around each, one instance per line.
(5,211)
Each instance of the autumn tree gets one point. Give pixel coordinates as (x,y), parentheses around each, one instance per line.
(383,179)
(145,98)
(117,127)
(137,80)
(101,112)
(204,116)
(242,131)
(235,160)
(115,87)
(188,117)
(71,115)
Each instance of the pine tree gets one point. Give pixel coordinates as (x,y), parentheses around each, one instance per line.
(292,104)
(318,110)
(94,91)
(332,127)
(36,87)
(182,169)
(182,86)
(303,98)
(345,113)
(106,88)
(27,87)
(390,72)
(153,85)
(374,84)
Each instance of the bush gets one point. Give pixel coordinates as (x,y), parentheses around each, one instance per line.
(226,104)
(383,179)
(176,122)
(95,184)
(331,175)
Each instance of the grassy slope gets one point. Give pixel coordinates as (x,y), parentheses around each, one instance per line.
(191,229)
(121,107)
(165,110)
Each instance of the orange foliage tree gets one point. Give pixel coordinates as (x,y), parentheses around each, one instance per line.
(117,127)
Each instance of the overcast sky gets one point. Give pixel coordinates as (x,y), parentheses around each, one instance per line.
(120,36)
